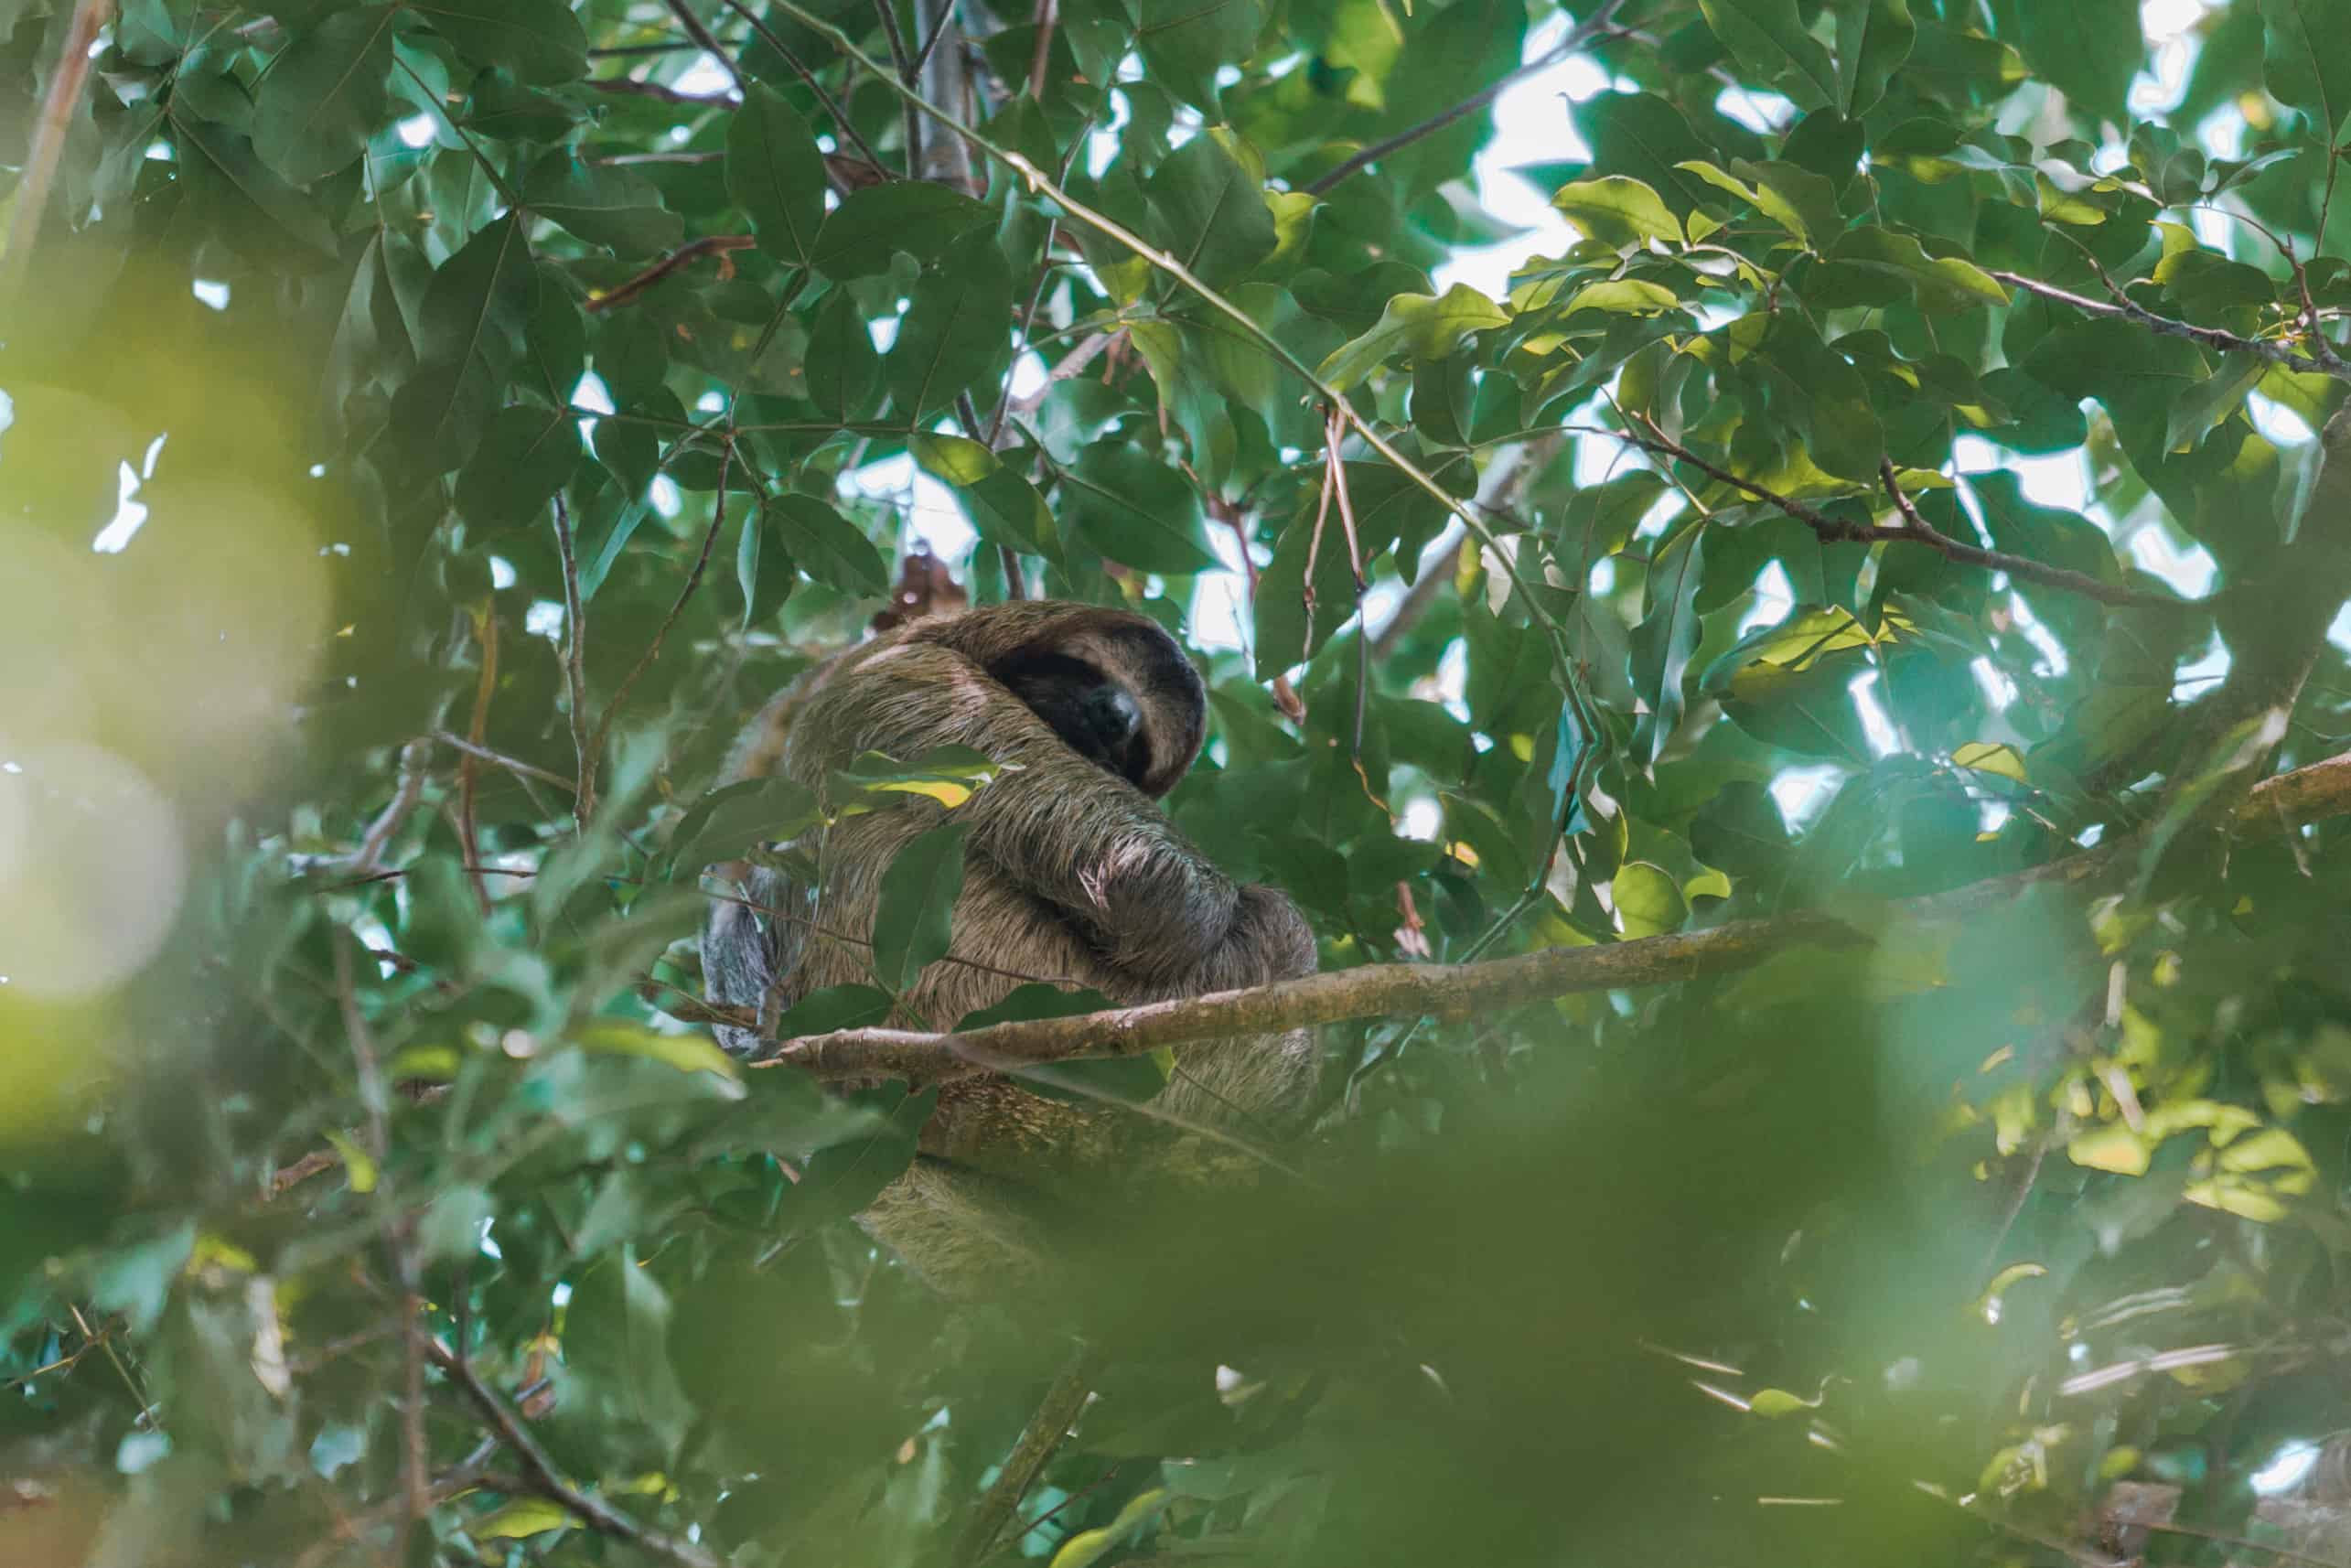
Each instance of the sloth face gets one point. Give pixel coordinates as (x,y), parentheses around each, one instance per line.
(1095,715)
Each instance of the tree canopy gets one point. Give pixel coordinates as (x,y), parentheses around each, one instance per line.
(1786,626)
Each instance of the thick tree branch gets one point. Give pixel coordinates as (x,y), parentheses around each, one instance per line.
(2123,308)
(1457,991)
(1580,34)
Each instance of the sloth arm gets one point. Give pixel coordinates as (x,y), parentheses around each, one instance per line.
(1090,844)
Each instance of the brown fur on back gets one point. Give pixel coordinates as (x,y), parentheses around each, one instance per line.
(1072,874)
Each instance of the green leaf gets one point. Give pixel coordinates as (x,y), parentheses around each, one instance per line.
(775,172)
(1813,388)
(914,910)
(1941,283)
(324,94)
(957,328)
(1211,213)
(479,300)
(1417,325)
(1135,510)
(1623,297)
(615,1337)
(764,571)
(1004,508)
(1661,646)
(843,366)
(540,41)
(610,206)
(2089,49)
(2306,60)
(738,817)
(1648,901)
(1874,38)
(1990,756)
(1184,42)
(826,546)
(231,187)
(1767,36)
(872,225)
(526,455)
(1617,210)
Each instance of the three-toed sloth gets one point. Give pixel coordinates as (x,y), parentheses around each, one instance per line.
(1071,873)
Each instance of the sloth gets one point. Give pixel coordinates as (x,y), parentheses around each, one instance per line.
(1072,873)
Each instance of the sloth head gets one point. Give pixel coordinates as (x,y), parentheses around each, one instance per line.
(1111,683)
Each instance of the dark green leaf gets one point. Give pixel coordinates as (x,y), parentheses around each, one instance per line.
(957,328)
(324,94)
(776,173)
(913,911)
(525,456)
(843,364)
(540,41)
(1211,213)
(610,206)
(826,546)
(1135,510)
(872,225)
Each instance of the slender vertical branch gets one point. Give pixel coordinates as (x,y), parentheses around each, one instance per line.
(887,10)
(574,662)
(49,131)
(468,762)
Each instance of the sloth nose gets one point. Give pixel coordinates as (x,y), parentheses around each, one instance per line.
(1116,718)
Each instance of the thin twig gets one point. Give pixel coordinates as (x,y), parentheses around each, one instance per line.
(1578,36)
(469,758)
(807,80)
(2022,568)
(50,132)
(512,764)
(1048,14)
(458,1480)
(693,581)
(2124,309)
(887,11)
(630,87)
(539,1472)
(574,663)
(368,856)
(708,43)
(1047,1428)
(692,250)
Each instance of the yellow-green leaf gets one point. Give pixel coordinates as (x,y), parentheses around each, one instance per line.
(1617,209)
(1420,326)
(1992,756)
(522,1517)
(687,1053)
(2113,1147)
(357,1163)
(1625,296)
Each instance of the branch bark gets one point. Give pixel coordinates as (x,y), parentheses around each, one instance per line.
(2123,308)
(1459,990)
